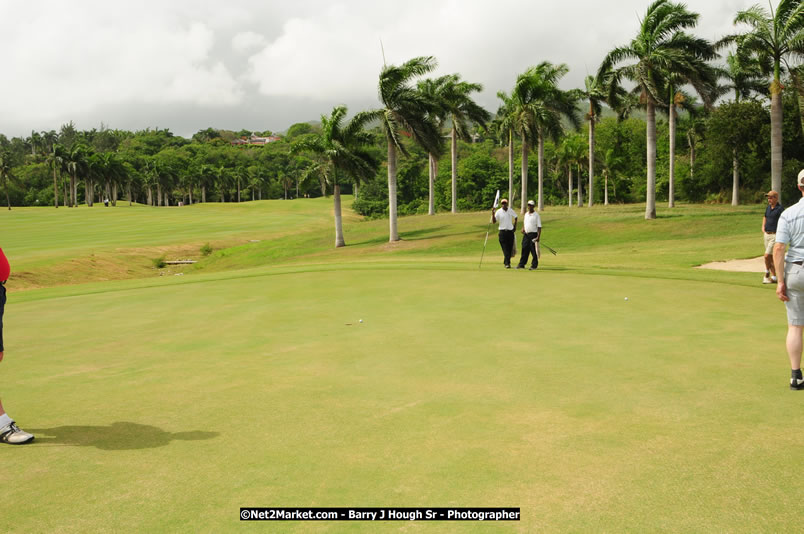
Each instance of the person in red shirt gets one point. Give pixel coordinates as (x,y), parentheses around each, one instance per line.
(9,431)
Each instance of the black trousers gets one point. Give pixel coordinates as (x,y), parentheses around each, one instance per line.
(507,244)
(2,308)
(529,247)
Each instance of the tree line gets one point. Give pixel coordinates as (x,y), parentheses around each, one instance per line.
(714,139)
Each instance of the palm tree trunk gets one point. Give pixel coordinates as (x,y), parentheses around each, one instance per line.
(735,186)
(454,161)
(158,194)
(541,172)
(776,136)
(650,203)
(336,194)
(150,196)
(8,200)
(203,194)
(114,194)
(591,161)
(606,188)
(128,193)
(238,189)
(393,234)
(671,186)
(510,163)
(580,188)
(55,189)
(431,199)
(570,185)
(523,201)
(64,190)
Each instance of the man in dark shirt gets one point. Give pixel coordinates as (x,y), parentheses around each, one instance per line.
(9,431)
(769,222)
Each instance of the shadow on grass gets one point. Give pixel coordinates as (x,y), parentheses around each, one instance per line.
(115,437)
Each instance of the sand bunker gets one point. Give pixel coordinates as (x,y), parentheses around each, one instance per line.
(754,265)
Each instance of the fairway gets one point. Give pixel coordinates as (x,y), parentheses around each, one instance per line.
(165,403)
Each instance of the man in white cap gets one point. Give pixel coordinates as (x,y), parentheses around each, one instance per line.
(507,219)
(790,287)
(769,223)
(531,232)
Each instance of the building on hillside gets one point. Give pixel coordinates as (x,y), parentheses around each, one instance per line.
(255,140)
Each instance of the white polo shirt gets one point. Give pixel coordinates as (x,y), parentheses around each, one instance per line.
(790,231)
(532,222)
(506,218)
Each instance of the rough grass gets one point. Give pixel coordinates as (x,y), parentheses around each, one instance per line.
(166,403)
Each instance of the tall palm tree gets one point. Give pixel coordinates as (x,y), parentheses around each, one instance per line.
(55,160)
(433,90)
(539,106)
(75,160)
(599,89)
(570,155)
(775,35)
(461,111)
(659,50)
(746,76)
(6,174)
(406,111)
(611,162)
(506,127)
(344,151)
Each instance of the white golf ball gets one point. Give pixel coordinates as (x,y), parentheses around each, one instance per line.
(626,298)
(361,320)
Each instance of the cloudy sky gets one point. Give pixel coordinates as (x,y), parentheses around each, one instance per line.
(264,65)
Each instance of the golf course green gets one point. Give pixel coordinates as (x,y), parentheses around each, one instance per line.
(617,388)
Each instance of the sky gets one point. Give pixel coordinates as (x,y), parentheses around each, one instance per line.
(265,65)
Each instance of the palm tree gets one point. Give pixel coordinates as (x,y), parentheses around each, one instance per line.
(406,111)
(745,72)
(343,150)
(539,106)
(433,90)
(570,155)
(461,110)
(661,49)
(776,36)
(75,160)
(611,162)
(55,160)
(597,90)
(6,174)
(506,127)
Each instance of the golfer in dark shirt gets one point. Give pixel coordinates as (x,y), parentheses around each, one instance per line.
(769,222)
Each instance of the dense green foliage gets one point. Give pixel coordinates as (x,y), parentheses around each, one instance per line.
(157,160)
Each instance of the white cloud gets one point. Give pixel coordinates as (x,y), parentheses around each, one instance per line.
(68,60)
(247,41)
(287,62)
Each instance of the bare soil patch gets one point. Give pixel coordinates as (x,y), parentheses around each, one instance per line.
(752,265)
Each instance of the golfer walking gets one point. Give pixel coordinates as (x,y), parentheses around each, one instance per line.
(531,232)
(507,219)
(9,431)
(769,222)
(790,287)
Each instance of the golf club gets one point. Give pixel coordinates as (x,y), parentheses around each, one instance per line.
(496,199)
(553,252)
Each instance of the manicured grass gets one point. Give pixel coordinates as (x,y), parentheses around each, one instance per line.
(166,403)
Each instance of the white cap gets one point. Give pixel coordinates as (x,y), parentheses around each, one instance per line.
(531,203)
(801,178)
